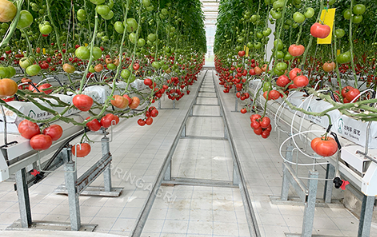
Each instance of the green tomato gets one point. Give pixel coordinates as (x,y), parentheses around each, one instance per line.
(279,44)
(359,9)
(165,67)
(289,22)
(108,16)
(294,25)
(276,15)
(25,62)
(257,45)
(156,65)
(125,74)
(278,72)
(111,4)
(279,54)
(339,33)
(11,71)
(344,57)
(152,37)
(267,32)
(131,25)
(103,10)
(266,86)
(298,17)
(309,12)
(4,72)
(33,70)
(4,26)
(97,2)
(133,38)
(81,19)
(146,3)
(281,66)
(82,53)
(278,4)
(287,56)
(111,66)
(164,11)
(347,14)
(140,42)
(259,35)
(81,13)
(132,78)
(26,19)
(357,19)
(286,27)
(150,8)
(91,69)
(331,2)
(250,45)
(45,29)
(97,53)
(118,26)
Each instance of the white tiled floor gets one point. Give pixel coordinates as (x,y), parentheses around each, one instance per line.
(192,211)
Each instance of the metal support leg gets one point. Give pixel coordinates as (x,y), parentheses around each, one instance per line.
(167,176)
(191,111)
(107,171)
(330,173)
(307,225)
(285,185)
(23,198)
(73,196)
(366,216)
(173,104)
(159,104)
(183,134)
(236,180)
(225,132)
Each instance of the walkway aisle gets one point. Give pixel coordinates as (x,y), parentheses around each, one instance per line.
(262,166)
(203,154)
(138,153)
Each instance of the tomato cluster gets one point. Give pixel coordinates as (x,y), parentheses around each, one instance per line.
(151,113)
(261,126)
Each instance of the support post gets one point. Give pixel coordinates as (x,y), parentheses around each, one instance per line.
(366,216)
(73,195)
(307,225)
(167,176)
(183,134)
(226,132)
(173,104)
(285,185)
(330,173)
(159,104)
(23,198)
(236,179)
(107,171)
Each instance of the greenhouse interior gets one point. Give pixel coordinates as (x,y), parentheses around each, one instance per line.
(188,118)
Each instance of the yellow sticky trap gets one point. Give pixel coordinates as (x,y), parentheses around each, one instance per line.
(44,51)
(337,52)
(327,16)
(246,50)
(86,45)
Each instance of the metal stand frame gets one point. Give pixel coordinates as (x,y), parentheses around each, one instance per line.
(159,106)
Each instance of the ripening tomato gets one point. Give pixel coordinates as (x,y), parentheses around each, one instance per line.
(54,131)
(318,30)
(129,99)
(93,125)
(119,102)
(8,87)
(135,102)
(40,142)
(7,11)
(328,67)
(82,102)
(28,129)
(324,146)
(301,81)
(296,50)
(43,88)
(83,150)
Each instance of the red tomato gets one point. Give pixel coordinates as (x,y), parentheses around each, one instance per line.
(265,134)
(106,121)
(243,111)
(255,117)
(28,129)
(258,131)
(93,125)
(273,95)
(43,87)
(324,147)
(135,103)
(294,73)
(318,30)
(255,125)
(136,66)
(283,81)
(352,94)
(141,122)
(149,121)
(296,50)
(83,102)
(54,131)
(40,142)
(154,113)
(252,72)
(301,81)
(148,82)
(265,122)
(129,99)
(345,90)
(82,150)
